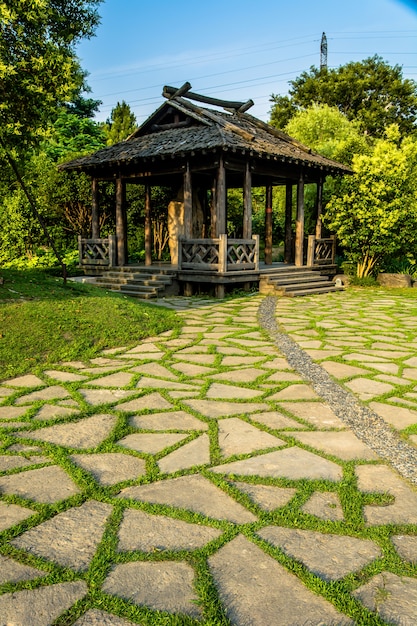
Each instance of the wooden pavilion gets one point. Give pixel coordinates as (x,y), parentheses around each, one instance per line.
(201,152)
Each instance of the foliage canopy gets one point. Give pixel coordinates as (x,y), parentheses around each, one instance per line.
(375,214)
(39,69)
(371,92)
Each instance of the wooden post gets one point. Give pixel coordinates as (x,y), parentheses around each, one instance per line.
(223,253)
(95,208)
(299,223)
(220,208)
(256,259)
(247,203)
(310,250)
(148,226)
(288,256)
(319,207)
(121,234)
(188,203)
(268,224)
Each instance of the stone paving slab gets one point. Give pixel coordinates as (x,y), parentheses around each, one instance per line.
(292,463)
(173,420)
(12,412)
(255,589)
(317,414)
(148,533)
(51,411)
(55,392)
(243,375)
(382,479)
(295,392)
(325,505)
(396,416)
(393,598)
(230,392)
(13,572)
(150,443)
(164,586)
(82,434)
(29,380)
(345,445)
(64,377)
(214,410)
(239,437)
(41,606)
(105,396)
(69,539)
(47,485)
(8,462)
(194,493)
(12,514)
(406,547)
(118,380)
(110,468)
(196,452)
(268,497)
(330,557)
(151,401)
(275,420)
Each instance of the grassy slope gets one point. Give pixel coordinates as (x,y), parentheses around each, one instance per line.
(43,321)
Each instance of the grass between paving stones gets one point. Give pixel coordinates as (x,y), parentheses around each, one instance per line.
(43,321)
(290,515)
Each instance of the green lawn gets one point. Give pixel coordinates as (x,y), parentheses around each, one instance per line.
(43,321)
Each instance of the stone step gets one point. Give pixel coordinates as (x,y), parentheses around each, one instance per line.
(311,291)
(136,284)
(142,293)
(300,281)
(295,280)
(125,277)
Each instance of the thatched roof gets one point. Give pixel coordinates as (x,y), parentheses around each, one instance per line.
(179,129)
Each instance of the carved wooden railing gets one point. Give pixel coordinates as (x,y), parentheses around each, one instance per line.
(321,251)
(97,252)
(221,254)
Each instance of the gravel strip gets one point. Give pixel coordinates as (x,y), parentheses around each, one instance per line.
(366,424)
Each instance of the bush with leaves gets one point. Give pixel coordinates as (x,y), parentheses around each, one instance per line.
(375,213)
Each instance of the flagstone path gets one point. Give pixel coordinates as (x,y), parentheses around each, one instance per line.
(213,477)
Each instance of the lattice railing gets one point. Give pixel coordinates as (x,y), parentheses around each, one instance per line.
(321,251)
(220,254)
(97,252)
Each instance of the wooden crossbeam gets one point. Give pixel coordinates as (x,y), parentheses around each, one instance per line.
(184,91)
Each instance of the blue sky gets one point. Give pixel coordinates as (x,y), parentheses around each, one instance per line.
(236,49)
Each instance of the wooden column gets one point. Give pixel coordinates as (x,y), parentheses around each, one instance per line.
(188,203)
(299,223)
(288,255)
(268,224)
(148,226)
(220,199)
(121,230)
(95,209)
(247,203)
(319,206)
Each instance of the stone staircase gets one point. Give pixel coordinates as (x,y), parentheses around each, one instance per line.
(138,282)
(297,281)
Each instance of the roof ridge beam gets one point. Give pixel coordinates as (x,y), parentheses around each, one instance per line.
(184,91)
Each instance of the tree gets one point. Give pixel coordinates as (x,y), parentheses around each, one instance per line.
(72,135)
(370,91)
(327,131)
(375,214)
(39,69)
(120,125)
